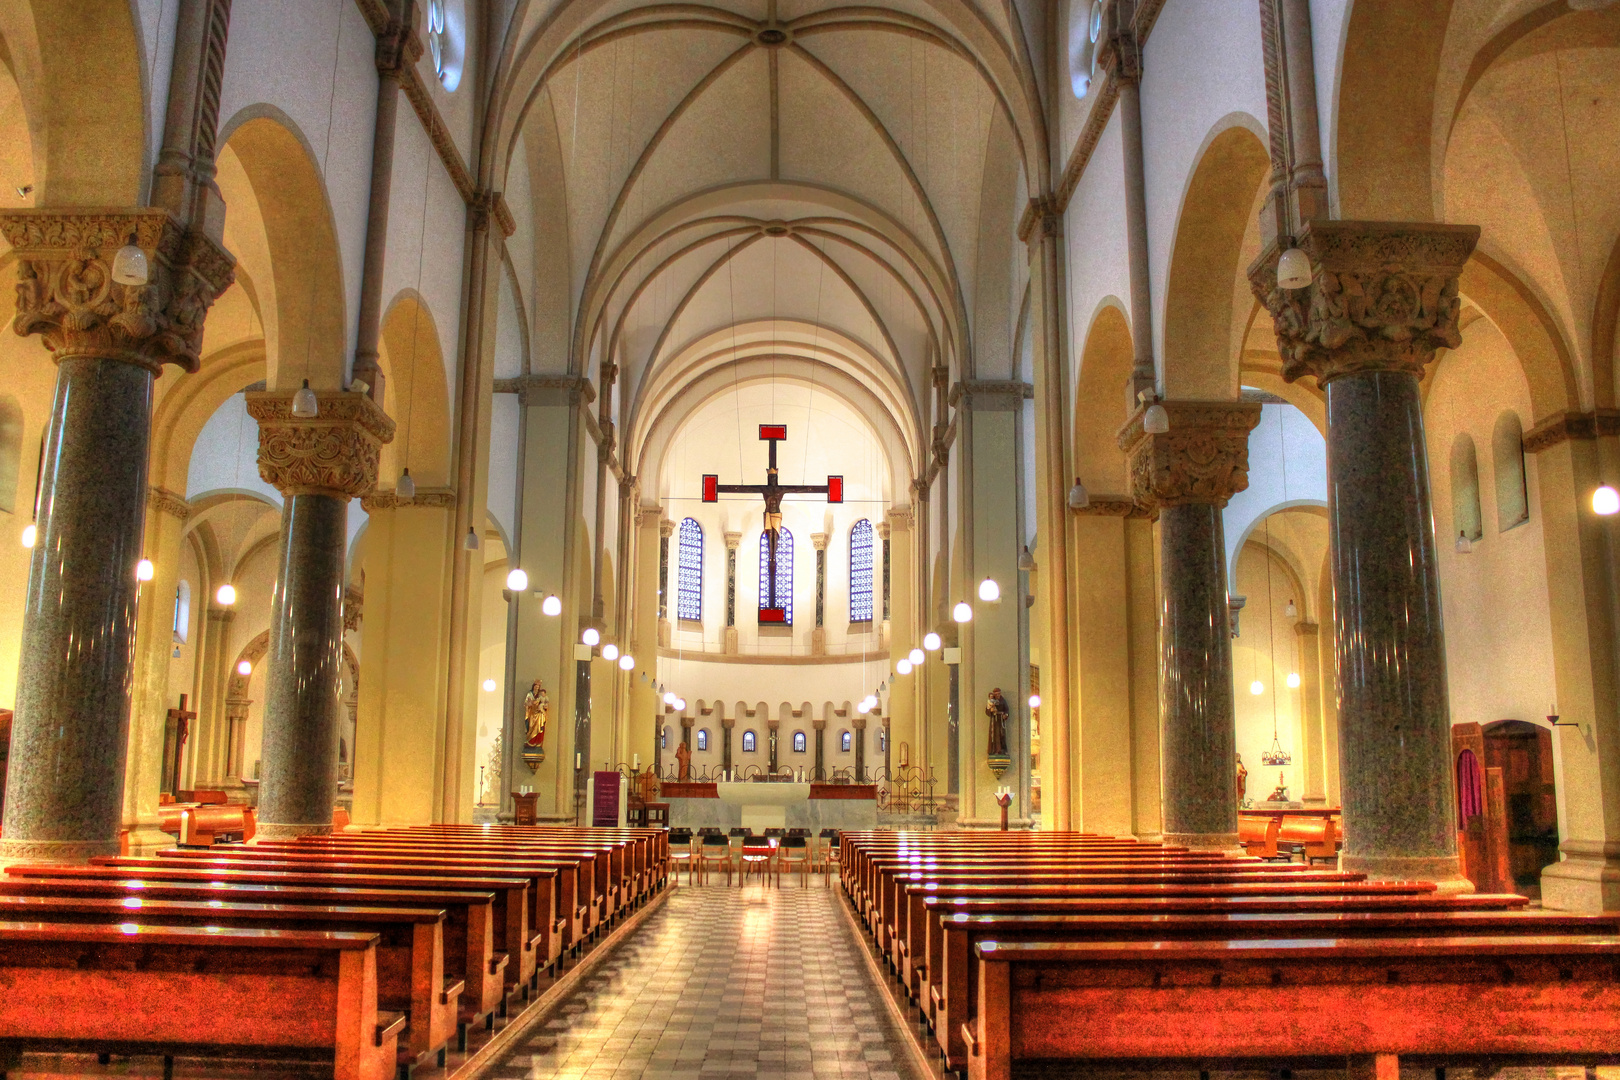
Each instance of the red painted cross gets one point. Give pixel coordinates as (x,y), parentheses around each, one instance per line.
(772,491)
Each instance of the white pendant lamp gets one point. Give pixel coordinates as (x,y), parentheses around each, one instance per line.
(489,686)
(551,606)
(627,662)
(405,487)
(931,641)
(903,666)
(517,580)
(244,667)
(590,636)
(129,265)
(1079,497)
(916,657)
(962,612)
(610,651)
(1606,501)
(304,404)
(30,533)
(470,541)
(144,570)
(989,591)
(1034,701)
(1293,269)
(226,595)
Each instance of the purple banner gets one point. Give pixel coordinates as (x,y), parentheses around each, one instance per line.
(605,811)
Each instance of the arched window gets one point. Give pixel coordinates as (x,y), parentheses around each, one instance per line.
(860,572)
(798,742)
(1465,515)
(784,576)
(11,435)
(844,742)
(689,579)
(703,738)
(749,742)
(182,612)
(446,34)
(1507,453)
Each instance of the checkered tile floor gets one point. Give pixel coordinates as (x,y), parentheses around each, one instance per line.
(753,982)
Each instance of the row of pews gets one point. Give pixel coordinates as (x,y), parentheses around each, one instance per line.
(376,951)
(1065,949)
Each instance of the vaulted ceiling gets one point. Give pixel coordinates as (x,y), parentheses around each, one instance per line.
(835,186)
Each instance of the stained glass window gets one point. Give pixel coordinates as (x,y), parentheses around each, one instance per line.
(689,581)
(843,741)
(860,572)
(703,738)
(798,742)
(749,742)
(784,574)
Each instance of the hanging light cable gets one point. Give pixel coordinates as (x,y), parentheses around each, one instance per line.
(1276,755)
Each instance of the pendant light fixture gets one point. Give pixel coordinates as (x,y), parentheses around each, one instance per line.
(1606,501)
(962,612)
(304,405)
(931,641)
(610,651)
(1156,421)
(405,487)
(470,541)
(244,667)
(1026,561)
(627,662)
(1292,611)
(517,580)
(129,265)
(226,595)
(990,591)
(1464,545)
(30,533)
(1276,755)
(551,606)
(916,657)
(144,570)
(1293,269)
(903,666)
(590,637)
(1079,497)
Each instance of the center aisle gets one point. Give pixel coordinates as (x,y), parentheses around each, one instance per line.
(754,982)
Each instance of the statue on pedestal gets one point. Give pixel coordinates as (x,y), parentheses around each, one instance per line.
(997,710)
(1242,781)
(536,713)
(683,761)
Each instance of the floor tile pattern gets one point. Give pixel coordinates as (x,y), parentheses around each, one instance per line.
(753,982)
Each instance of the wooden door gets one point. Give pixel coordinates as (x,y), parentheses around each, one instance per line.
(1524,754)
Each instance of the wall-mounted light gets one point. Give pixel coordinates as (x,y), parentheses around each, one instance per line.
(551,606)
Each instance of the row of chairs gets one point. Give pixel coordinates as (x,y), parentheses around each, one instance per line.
(791,850)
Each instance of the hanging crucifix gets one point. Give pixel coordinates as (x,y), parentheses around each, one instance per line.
(772,491)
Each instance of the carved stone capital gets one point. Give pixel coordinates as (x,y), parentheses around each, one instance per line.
(66,294)
(1203,458)
(332,453)
(818,541)
(733,541)
(1304,628)
(428,498)
(654,515)
(1382,297)
(354,609)
(168,502)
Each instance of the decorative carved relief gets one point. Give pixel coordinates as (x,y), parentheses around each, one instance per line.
(66,294)
(1565,426)
(168,502)
(429,498)
(1203,458)
(1383,297)
(354,607)
(332,453)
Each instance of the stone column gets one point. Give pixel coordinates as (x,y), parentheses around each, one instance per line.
(1382,301)
(727,723)
(820,772)
(213,731)
(1188,474)
(859,724)
(818,635)
(69,735)
(666,529)
(318,464)
(1310,714)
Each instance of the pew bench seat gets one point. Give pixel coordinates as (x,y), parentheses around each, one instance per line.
(1456,999)
(195,992)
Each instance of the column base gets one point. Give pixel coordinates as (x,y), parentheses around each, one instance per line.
(71,852)
(1444,871)
(1587,880)
(1227,842)
(273,831)
(145,838)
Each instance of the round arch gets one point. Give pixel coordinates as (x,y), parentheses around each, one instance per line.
(1106,361)
(416,390)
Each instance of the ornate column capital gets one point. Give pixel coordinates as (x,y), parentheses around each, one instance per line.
(818,541)
(1203,458)
(733,541)
(1382,297)
(435,498)
(1305,628)
(66,293)
(332,453)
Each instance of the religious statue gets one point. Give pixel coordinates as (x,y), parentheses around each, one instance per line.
(997,710)
(1242,781)
(536,714)
(683,761)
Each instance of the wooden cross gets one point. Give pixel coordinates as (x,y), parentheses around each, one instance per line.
(184,718)
(772,491)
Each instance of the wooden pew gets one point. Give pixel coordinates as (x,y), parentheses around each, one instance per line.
(951,1000)
(1258,835)
(410,946)
(197,992)
(1315,838)
(469,931)
(511,908)
(210,823)
(1368,1000)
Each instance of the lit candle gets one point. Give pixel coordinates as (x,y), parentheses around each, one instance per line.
(577,762)
(635,762)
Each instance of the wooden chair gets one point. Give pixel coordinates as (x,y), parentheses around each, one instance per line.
(759,857)
(715,851)
(680,851)
(826,859)
(794,854)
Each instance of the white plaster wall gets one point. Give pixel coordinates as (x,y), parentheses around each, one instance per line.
(314,61)
(225,456)
(1197,70)
(1287,467)
(1329,18)
(424,203)
(1097,244)
(155,23)
(501,499)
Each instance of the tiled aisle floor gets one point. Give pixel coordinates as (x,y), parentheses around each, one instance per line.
(750,982)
